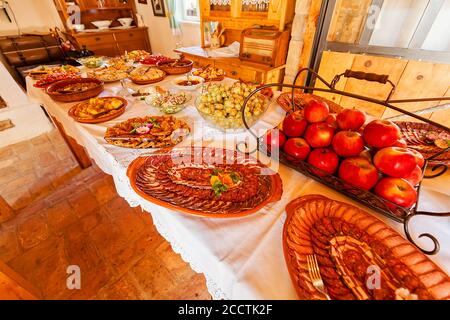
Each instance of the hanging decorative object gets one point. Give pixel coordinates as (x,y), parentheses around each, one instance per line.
(220,5)
(255,5)
(220,2)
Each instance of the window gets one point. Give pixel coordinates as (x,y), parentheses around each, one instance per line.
(190,10)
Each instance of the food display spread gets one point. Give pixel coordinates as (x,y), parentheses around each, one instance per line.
(146,75)
(77,89)
(98,109)
(55,77)
(207,182)
(170,103)
(210,73)
(337,146)
(148,132)
(110,73)
(221,105)
(347,242)
(136,55)
(153,60)
(43,71)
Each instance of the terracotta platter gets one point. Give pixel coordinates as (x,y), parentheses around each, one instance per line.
(80,113)
(206,182)
(350,245)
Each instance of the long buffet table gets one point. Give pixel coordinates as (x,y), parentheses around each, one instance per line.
(241,258)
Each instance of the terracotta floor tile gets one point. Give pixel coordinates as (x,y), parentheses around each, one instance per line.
(131,253)
(107,239)
(40,140)
(80,249)
(117,207)
(83,202)
(47,158)
(23,180)
(103,190)
(123,289)
(173,262)
(93,219)
(41,188)
(27,263)
(9,247)
(7,175)
(189,289)
(6,152)
(60,216)
(51,277)
(153,278)
(33,231)
(65,215)
(92,281)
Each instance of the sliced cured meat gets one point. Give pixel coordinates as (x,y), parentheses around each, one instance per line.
(205,181)
(351,246)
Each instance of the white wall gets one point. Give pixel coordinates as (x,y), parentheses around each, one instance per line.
(28,118)
(32,16)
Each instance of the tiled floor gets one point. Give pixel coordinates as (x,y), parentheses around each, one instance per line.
(68,216)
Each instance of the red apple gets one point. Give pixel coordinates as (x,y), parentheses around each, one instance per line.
(324,159)
(396,190)
(319,135)
(331,120)
(297,149)
(359,172)
(316,111)
(419,158)
(366,154)
(274,139)
(351,119)
(294,125)
(415,176)
(400,143)
(395,162)
(348,143)
(381,133)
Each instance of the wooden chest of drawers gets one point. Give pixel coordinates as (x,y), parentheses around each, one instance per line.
(114,42)
(234,67)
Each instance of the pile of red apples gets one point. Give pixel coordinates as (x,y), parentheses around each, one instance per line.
(370,156)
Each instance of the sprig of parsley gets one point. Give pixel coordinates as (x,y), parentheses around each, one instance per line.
(219,188)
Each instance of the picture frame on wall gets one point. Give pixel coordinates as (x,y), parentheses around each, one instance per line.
(158,8)
(143,1)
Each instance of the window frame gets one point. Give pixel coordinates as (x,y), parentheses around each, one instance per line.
(184,17)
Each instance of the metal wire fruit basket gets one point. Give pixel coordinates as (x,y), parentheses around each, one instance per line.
(433,165)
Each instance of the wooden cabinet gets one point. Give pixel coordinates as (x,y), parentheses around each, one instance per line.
(112,43)
(237,15)
(234,67)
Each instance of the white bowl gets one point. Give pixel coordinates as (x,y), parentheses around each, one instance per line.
(78,27)
(102,24)
(126,22)
(191,87)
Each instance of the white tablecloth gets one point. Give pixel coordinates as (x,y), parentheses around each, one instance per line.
(240,258)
